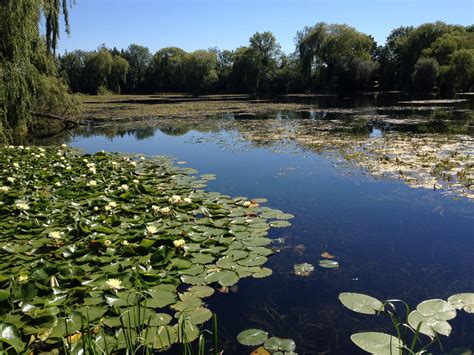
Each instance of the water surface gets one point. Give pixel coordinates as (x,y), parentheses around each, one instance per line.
(391,241)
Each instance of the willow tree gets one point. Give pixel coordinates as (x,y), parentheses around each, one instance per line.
(28,74)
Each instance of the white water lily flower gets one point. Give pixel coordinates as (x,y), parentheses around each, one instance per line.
(23,278)
(142,158)
(132,163)
(114,163)
(247,203)
(155,208)
(11,179)
(124,187)
(179,243)
(22,206)
(92,170)
(124,242)
(4,188)
(16,165)
(175,199)
(114,284)
(113,204)
(20,147)
(187,200)
(55,235)
(135,181)
(151,229)
(68,167)
(165,210)
(42,150)
(92,183)
(58,184)
(107,243)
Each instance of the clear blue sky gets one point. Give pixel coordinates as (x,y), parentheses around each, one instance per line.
(228,24)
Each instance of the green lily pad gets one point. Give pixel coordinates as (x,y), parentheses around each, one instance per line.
(252,337)
(377,343)
(429,326)
(9,334)
(328,264)
(463,301)
(360,303)
(437,309)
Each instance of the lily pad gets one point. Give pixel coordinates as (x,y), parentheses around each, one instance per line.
(360,303)
(377,343)
(328,264)
(429,326)
(463,301)
(252,337)
(437,309)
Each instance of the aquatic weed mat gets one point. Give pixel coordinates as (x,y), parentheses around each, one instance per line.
(117,252)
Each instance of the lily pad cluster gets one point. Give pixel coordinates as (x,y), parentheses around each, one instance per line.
(429,318)
(269,345)
(119,248)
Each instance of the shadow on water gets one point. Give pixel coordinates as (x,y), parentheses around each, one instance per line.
(391,241)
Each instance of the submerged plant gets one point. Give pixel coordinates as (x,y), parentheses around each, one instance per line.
(429,318)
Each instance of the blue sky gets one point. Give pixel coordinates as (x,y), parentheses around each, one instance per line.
(228,24)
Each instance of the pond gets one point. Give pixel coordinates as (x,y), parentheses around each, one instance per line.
(385,188)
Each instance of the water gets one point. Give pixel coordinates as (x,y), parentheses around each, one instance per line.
(391,241)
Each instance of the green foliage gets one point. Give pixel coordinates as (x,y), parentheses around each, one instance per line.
(429,319)
(425,74)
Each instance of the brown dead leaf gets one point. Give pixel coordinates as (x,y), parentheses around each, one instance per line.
(327,255)
(260,351)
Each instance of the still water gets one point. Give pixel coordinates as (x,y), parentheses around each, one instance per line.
(391,241)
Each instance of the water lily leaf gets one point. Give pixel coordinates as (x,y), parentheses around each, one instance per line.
(328,264)
(280,224)
(9,334)
(263,272)
(223,277)
(159,319)
(225,262)
(272,344)
(163,338)
(201,291)
(287,345)
(253,260)
(463,301)
(160,299)
(201,258)
(437,309)
(377,343)
(196,316)
(187,331)
(429,326)
(252,337)
(360,303)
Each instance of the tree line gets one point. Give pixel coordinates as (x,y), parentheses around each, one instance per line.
(433,57)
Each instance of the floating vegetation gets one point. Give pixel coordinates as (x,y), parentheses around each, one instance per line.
(327,255)
(328,264)
(303,269)
(435,161)
(273,345)
(430,319)
(116,251)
